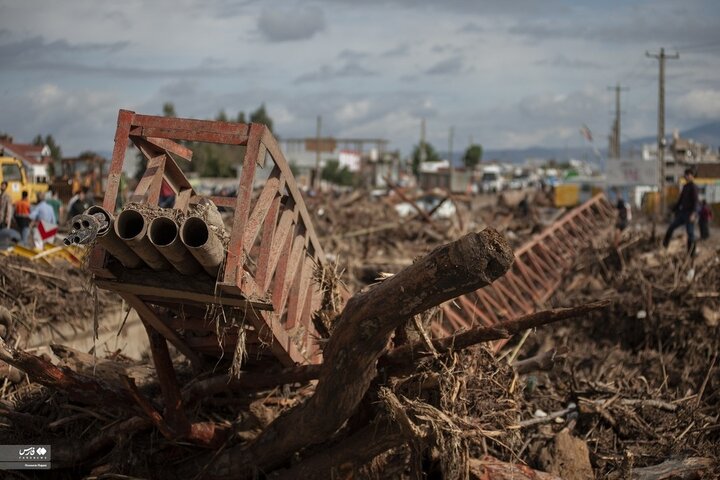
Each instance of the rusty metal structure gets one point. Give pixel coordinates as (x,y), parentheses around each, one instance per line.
(267,275)
(254,289)
(539,267)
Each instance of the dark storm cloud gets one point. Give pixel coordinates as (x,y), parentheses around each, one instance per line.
(37,47)
(352,55)
(60,56)
(471,27)
(287,24)
(629,25)
(399,51)
(562,61)
(326,72)
(449,66)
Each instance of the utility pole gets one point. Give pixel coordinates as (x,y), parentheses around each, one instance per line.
(661,119)
(316,182)
(451,134)
(615,150)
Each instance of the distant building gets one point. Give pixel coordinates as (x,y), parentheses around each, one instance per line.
(35,158)
(368,157)
(681,154)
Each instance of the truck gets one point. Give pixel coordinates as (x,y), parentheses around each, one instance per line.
(492,180)
(13,171)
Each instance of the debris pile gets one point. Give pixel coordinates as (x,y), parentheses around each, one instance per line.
(640,384)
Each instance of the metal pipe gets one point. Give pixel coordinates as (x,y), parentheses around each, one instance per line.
(203,244)
(131,227)
(95,225)
(164,233)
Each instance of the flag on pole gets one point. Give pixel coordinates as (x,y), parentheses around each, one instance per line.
(585,132)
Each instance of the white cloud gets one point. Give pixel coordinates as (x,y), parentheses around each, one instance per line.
(699,104)
(353,110)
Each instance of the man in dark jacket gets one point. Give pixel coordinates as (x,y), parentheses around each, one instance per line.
(685,211)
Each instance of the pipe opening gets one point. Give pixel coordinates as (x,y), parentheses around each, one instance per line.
(85,224)
(108,220)
(130,224)
(163,231)
(77,226)
(195,232)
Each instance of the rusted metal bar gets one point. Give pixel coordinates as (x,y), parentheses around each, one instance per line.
(539,266)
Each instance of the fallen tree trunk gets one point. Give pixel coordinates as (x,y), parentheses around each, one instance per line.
(361,335)
(685,469)
(79,387)
(494,469)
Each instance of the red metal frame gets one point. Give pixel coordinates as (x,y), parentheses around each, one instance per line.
(271,255)
(539,268)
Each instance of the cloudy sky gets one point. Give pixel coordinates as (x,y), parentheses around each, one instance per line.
(509,74)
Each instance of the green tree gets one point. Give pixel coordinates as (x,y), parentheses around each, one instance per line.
(425,154)
(221,116)
(241,117)
(332,173)
(168,109)
(473,156)
(260,116)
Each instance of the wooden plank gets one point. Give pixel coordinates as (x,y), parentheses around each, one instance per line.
(281,242)
(297,296)
(153,292)
(236,255)
(182,200)
(151,181)
(262,206)
(149,316)
(266,242)
(273,334)
(284,281)
(187,124)
(274,149)
(118,158)
(194,136)
(171,147)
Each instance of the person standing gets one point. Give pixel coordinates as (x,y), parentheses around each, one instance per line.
(52,199)
(22,217)
(704,218)
(6,207)
(685,211)
(80,204)
(43,218)
(623,218)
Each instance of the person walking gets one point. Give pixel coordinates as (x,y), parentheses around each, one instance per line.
(685,211)
(22,217)
(6,207)
(704,218)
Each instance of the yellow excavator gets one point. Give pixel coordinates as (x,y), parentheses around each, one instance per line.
(13,171)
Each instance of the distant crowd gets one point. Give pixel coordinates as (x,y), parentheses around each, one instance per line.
(34,225)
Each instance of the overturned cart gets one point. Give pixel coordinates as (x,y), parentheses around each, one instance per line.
(245,292)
